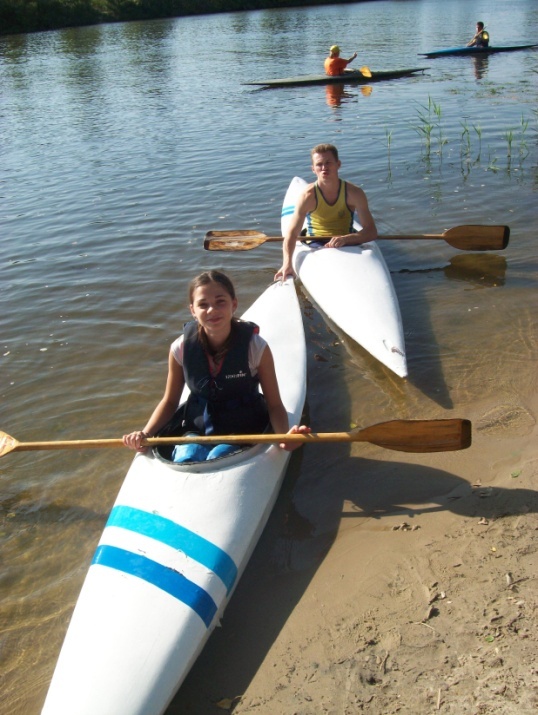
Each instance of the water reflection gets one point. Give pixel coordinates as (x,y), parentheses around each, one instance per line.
(81,42)
(480,66)
(483,270)
(337,94)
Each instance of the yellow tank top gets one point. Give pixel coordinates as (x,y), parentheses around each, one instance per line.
(330,219)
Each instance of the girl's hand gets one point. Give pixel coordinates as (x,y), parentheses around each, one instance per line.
(290,446)
(134,441)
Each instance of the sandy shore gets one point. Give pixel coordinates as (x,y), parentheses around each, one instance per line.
(417,596)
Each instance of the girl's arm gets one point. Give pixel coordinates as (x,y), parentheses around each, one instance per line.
(277,412)
(164,410)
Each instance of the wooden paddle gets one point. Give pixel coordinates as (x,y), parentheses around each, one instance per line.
(465,238)
(402,435)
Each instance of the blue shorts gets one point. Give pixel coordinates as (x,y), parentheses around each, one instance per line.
(200,452)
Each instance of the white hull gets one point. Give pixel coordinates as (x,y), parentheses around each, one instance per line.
(174,547)
(353,287)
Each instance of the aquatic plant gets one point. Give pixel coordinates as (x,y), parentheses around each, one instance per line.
(388,136)
(478,130)
(465,140)
(523,149)
(430,120)
(509,136)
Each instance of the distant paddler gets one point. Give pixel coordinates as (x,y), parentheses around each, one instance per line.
(481,37)
(334,64)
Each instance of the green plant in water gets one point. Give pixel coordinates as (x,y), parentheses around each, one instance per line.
(523,150)
(509,136)
(430,119)
(425,128)
(478,130)
(492,164)
(440,138)
(425,132)
(388,135)
(465,140)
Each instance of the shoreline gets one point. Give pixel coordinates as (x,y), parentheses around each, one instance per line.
(25,18)
(431,606)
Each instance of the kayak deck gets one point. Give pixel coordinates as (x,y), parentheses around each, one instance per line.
(475,50)
(175,545)
(349,77)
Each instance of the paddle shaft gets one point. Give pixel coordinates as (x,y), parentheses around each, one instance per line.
(271,239)
(464,238)
(401,435)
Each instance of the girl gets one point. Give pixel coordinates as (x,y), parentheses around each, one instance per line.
(222,360)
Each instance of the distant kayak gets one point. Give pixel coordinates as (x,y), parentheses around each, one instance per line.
(475,50)
(349,77)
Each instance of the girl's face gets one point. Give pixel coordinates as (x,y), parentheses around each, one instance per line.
(213,307)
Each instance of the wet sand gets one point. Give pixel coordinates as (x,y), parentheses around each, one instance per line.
(415,592)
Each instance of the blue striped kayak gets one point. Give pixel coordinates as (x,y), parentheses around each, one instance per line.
(475,50)
(175,545)
(353,287)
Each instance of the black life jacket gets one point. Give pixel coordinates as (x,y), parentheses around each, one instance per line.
(230,402)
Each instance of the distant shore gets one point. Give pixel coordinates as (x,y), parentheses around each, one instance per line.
(20,16)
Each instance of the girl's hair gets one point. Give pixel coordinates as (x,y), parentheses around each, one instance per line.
(202,280)
(211,277)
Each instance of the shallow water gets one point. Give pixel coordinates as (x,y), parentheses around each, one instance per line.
(123,144)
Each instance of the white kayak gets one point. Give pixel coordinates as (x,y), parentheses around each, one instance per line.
(353,287)
(174,547)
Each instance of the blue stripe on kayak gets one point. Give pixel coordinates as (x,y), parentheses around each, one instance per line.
(287,210)
(178,537)
(160,576)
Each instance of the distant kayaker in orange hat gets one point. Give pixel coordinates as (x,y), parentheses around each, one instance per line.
(481,38)
(334,64)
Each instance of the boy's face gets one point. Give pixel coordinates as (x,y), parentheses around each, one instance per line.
(325,166)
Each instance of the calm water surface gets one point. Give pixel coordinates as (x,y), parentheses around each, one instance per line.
(123,144)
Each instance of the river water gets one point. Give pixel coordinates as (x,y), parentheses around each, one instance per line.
(123,144)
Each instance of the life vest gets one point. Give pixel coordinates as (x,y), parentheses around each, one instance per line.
(229,402)
(483,39)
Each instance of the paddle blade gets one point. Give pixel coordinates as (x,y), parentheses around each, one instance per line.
(233,240)
(7,444)
(365,71)
(478,238)
(420,435)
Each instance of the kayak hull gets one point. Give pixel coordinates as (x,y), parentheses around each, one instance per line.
(353,287)
(175,545)
(475,50)
(349,77)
